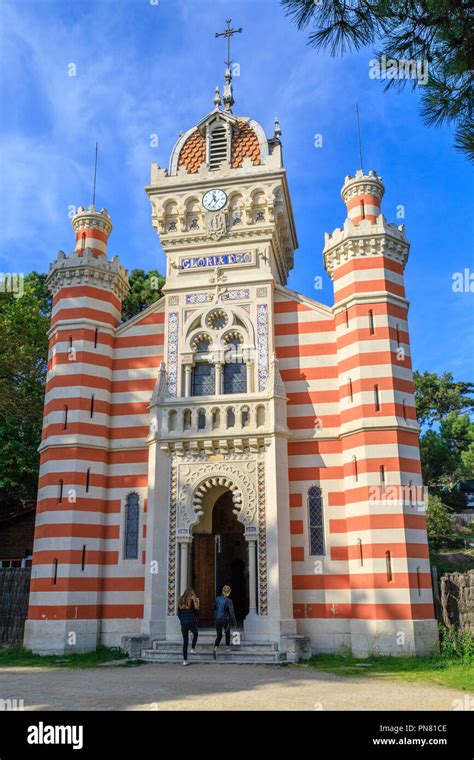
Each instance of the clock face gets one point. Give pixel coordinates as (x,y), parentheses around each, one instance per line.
(214,200)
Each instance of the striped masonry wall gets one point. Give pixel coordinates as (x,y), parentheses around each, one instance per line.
(100,379)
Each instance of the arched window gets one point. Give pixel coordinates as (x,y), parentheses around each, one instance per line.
(216,418)
(361,552)
(260,416)
(172,419)
(371,322)
(355,470)
(351,390)
(244,416)
(187,419)
(132,521)
(235,377)
(55,571)
(388,562)
(230,417)
(203,380)
(316,521)
(376,398)
(201,419)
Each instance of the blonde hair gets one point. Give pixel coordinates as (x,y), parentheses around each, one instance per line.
(187,599)
(226,590)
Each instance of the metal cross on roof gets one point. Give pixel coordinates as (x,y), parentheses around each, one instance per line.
(229,32)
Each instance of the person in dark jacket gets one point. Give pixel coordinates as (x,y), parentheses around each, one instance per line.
(224,615)
(188,610)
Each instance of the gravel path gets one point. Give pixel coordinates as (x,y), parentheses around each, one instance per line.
(214,687)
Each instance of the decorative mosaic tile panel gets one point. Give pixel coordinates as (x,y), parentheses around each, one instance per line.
(174,300)
(172,353)
(261,292)
(262,345)
(262,543)
(235,295)
(172,562)
(198,298)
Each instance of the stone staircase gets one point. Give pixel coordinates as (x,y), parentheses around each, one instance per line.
(243,653)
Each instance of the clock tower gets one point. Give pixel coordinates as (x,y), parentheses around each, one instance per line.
(223,213)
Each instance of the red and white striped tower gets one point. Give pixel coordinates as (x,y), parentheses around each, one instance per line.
(92,230)
(386,544)
(71,534)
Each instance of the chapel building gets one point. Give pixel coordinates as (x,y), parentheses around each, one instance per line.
(235,431)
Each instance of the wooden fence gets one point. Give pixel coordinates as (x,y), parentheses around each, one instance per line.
(14,591)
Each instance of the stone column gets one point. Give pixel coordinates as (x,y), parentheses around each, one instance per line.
(187,380)
(249,368)
(252,548)
(218,370)
(183,577)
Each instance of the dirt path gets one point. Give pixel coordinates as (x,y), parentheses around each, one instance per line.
(221,687)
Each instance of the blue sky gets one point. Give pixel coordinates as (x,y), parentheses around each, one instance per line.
(144,68)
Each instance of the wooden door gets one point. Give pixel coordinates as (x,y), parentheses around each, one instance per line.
(204,576)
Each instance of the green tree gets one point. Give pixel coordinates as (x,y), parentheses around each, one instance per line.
(438,32)
(145,289)
(447,438)
(438,395)
(24,323)
(438,521)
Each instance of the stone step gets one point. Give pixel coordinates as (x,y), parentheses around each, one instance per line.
(244,657)
(208,646)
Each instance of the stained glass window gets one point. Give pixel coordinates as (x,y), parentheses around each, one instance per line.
(235,377)
(132,520)
(203,379)
(316,520)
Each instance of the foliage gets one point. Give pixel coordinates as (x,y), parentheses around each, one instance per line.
(18,656)
(438,521)
(439,670)
(447,440)
(438,395)
(24,323)
(145,289)
(437,32)
(456,644)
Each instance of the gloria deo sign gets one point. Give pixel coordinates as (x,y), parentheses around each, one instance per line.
(223,260)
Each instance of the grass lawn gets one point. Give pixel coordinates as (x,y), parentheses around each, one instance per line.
(19,656)
(434,670)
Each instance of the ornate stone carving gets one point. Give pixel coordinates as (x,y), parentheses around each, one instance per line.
(195,481)
(216,224)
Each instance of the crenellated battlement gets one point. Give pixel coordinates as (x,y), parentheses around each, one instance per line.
(86,269)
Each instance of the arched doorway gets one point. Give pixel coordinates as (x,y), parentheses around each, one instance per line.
(220,557)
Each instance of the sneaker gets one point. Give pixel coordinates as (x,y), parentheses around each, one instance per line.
(214,653)
(193,651)
(185,662)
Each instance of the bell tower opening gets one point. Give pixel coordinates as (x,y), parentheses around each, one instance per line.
(219,557)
